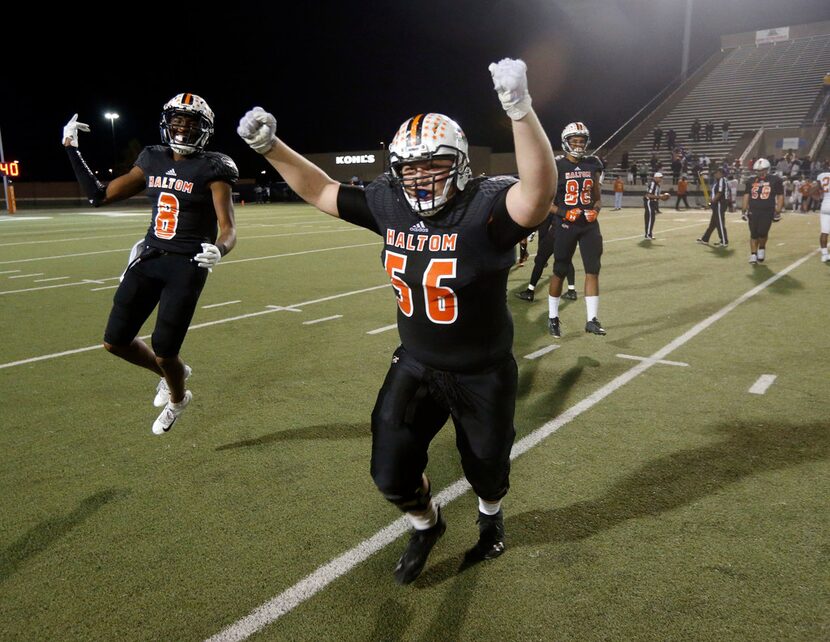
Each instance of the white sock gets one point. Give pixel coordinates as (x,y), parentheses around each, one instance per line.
(531,287)
(824,251)
(761,253)
(426,520)
(553,306)
(488,508)
(571,287)
(592,305)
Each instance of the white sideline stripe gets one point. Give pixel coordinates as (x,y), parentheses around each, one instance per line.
(326,574)
(663,361)
(279,256)
(23,276)
(541,352)
(217,305)
(764,382)
(54,278)
(22,218)
(383,329)
(313,321)
(196,326)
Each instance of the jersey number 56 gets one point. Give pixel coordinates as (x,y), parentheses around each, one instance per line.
(440,301)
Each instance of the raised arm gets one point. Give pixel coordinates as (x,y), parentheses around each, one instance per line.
(528,201)
(258,128)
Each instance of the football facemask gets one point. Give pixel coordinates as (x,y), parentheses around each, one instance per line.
(427,150)
(186,124)
(572,130)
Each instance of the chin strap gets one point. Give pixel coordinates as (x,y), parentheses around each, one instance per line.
(95,190)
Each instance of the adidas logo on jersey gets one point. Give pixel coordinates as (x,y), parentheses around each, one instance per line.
(170,172)
(419,227)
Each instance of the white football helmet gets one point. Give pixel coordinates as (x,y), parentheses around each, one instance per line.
(422,138)
(575,129)
(762,164)
(193,137)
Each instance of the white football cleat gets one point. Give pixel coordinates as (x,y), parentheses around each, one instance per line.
(171,412)
(163,390)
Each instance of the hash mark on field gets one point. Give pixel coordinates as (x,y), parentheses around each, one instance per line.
(336,316)
(763,383)
(283,308)
(54,278)
(541,352)
(663,361)
(216,305)
(383,329)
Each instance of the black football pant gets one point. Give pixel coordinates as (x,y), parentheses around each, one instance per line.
(543,254)
(582,234)
(717,222)
(650,214)
(415,402)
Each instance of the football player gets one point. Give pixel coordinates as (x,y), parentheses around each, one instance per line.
(576,206)
(763,202)
(449,244)
(547,235)
(821,191)
(190,193)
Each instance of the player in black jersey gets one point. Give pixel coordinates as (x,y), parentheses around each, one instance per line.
(763,202)
(190,191)
(547,237)
(449,244)
(577,206)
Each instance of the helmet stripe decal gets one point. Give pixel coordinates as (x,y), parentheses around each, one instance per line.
(416,126)
(188,99)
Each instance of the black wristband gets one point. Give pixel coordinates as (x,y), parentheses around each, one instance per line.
(94,189)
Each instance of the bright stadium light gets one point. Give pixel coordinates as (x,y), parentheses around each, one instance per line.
(112,117)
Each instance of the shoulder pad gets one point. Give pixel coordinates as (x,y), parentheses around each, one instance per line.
(223,166)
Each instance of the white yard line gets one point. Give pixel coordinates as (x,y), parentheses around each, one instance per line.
(219,305)
(663,361)
(764,382)
(331,318)
(326,574)
(54,278)
(541,352)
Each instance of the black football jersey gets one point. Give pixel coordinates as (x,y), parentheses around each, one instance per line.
(762,193)
(183,212)
(576,184)
(449,276)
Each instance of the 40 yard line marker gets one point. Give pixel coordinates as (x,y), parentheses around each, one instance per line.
(312,584)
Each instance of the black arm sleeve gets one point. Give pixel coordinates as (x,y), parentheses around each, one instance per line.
(94,189)
(503,231)
(353,208)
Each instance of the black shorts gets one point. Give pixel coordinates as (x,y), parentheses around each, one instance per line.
(415,402)
(171,281)
(587,236)
(759,224)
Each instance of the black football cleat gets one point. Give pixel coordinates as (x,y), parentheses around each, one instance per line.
(570,295)
(555,328)
(702,242)
(595,327)
(414,558)
(490,538)
(525,295)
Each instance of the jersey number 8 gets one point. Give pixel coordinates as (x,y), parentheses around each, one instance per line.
(167,216)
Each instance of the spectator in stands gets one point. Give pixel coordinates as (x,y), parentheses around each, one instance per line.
(795,168)
(676,168)
(710,130)
(619,186)
(624,162)
(724,128)
(655,163)
(807,167)
(733,191)
(658,136)
(671,137)
(787,184)
(695,130)
(795,199)
(806,198)
(784,165)
(682,191)
(643,173)
(632,173)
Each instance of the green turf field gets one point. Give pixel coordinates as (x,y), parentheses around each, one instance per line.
(666,502)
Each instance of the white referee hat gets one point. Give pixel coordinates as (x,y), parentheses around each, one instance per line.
(658,175)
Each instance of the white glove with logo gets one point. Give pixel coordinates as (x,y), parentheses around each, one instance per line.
(208,257)
(71,130)
(258,128)
(510,82)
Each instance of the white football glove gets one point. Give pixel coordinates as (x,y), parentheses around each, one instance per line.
(510,82)
(71,130)
(208,257)
(258,128)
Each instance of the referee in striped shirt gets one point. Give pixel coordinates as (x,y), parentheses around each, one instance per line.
(720,200)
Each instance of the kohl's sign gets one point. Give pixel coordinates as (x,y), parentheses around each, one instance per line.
(356,159)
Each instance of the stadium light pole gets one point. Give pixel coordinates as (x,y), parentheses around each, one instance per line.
(112,117)
(687,28)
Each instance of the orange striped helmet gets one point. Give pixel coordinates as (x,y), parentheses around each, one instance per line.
(575,129)
(186,123)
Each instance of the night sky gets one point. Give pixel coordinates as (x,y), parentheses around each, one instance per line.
(342,76)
